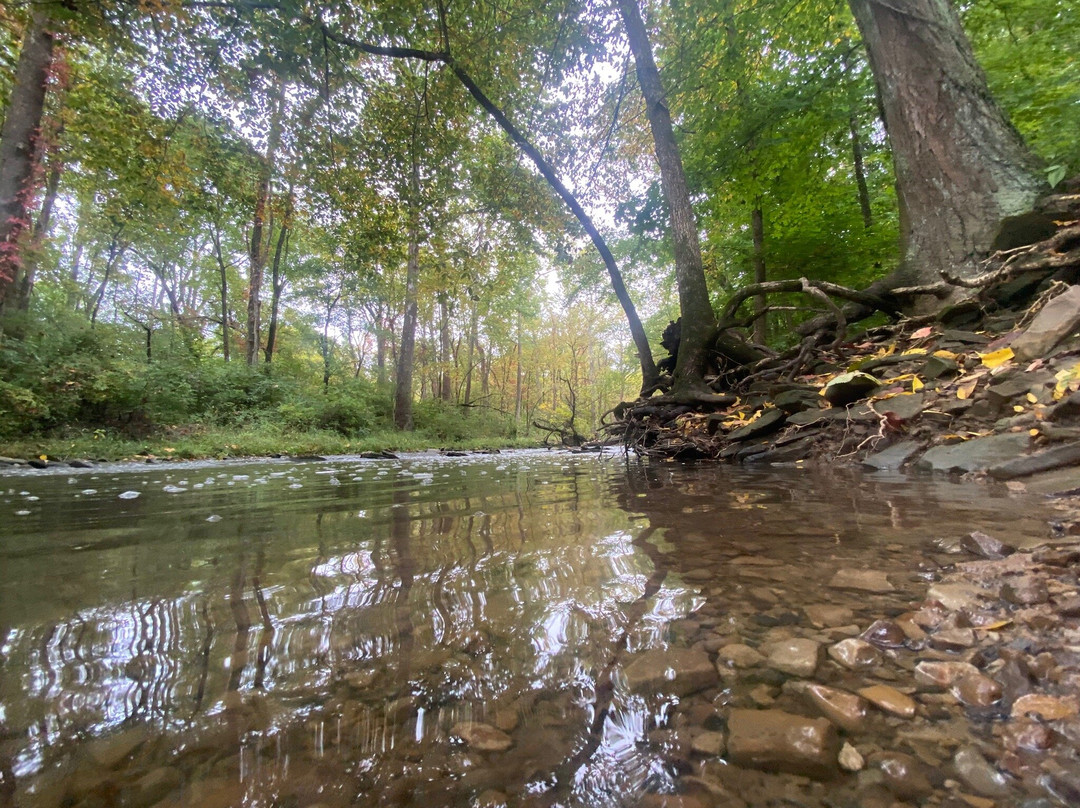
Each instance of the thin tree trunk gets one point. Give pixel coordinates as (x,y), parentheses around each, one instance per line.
(650,375)
(961,167)
(259,247)
(446,391)
(860,174)
(757,226)
(277,281)
(474,318)
(518,383)
(698,318)
(403,394)
(20,145)
(32,257)
(223,270)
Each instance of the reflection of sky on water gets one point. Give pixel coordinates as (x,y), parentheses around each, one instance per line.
(531,568)
(452,586)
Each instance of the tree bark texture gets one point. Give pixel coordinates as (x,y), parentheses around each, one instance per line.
(403,393)
(961,167)
(698,318)
(20,146)
(761,302)
(259,245)
(277,286)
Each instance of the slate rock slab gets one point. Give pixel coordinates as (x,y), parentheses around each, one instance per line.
(893,457)
(1058,319)
(1053,458)
(773,740)
(681,671)
(973,455)
(768,422)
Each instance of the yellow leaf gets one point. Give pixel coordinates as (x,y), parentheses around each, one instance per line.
(997,358)
(966,388)
(168,449)
(1018,408)
(915,352)
(1034,433)
(916,385)
(1032,398)
(43,457)
(943,354)
(995,625)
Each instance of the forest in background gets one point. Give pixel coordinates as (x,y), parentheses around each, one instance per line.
(241,222)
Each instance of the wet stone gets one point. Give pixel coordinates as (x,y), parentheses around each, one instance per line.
(855,654)
(934,675)
(846,710)
(1049,708)
(681,671)
(977,690)
(1028,735)
(986,546)
(862,580)
(890,700)
(482,737)
(829,616)
(709,744)
(738,655)
(977,773)
(798,657)
(773,740)
(904,776)
(955,596)
(953,639)
(975,454)
(849,759)
(1028,590)
(885,634)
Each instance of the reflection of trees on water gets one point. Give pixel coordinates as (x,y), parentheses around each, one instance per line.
(456,595)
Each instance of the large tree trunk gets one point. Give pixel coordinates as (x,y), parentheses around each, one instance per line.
(259,244)
(698,318)
(403,393)
(960,165)
(19,146)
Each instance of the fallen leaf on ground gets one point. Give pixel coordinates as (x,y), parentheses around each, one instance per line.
(997,358)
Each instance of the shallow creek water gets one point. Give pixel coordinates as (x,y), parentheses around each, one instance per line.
(298,634)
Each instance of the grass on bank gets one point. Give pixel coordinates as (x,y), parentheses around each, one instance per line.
(263,440)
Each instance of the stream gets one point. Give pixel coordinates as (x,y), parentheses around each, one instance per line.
(436,631)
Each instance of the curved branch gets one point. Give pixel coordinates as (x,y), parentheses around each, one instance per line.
(649,374)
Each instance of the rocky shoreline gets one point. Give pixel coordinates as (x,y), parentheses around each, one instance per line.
(966,696)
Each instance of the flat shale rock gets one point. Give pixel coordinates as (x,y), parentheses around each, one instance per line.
(984,545)
(893,457)
(738,655)
(798,657)
(863,580)
(890,700)
(1049,708)
(934,675)
(976,454)
(1058,319)
(773,740)
(681,671)
(829,616)
(1047,460)
(482,737)
(765,424)
(844,709)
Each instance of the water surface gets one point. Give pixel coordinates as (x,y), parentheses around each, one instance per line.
(301,634)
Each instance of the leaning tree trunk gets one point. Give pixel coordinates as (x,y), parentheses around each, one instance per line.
(961,167)
(761,302)
(19,146)
(698,318)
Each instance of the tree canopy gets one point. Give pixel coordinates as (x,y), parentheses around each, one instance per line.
(459,202)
